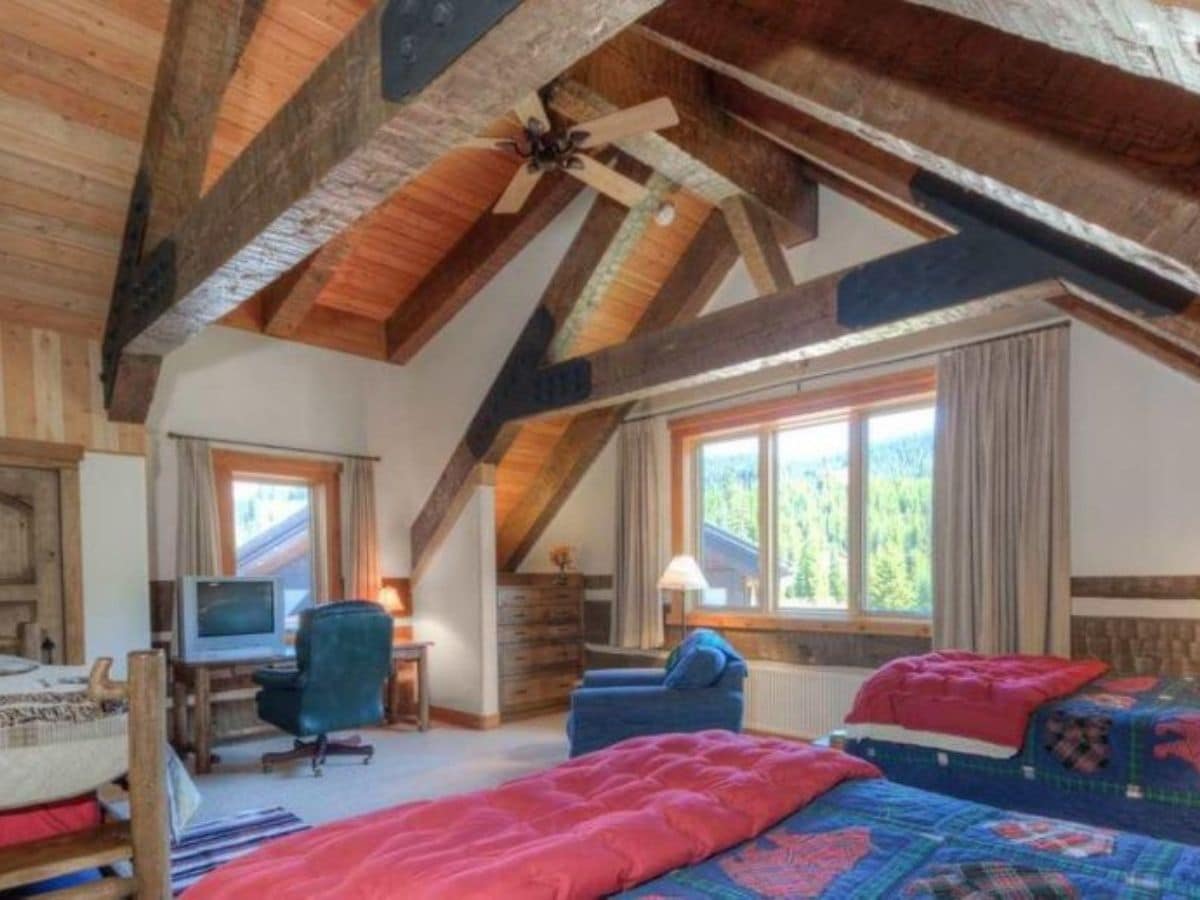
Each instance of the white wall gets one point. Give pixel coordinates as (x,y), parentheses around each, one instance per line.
(116,566)
(455,604)
(1135,485)
(234,384)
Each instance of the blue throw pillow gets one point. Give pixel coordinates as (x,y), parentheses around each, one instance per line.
(698,666)
(701,637)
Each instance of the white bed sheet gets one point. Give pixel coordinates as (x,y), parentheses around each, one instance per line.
(44,761)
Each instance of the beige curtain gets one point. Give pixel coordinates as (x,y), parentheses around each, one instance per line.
(637,607)
(1001,522)
(198,532)
(362,544)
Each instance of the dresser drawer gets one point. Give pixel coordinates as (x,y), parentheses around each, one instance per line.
(515,634)
(508,597)
(540,614)
(521,659)
(526,692)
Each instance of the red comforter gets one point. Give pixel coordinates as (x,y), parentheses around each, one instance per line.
(988,698)
(600,823)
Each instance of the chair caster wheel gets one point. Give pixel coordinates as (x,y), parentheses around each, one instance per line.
(366,761)
(317,773)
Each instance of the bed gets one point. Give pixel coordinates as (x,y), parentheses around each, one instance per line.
(65,732)
(699,815)
(1118,752)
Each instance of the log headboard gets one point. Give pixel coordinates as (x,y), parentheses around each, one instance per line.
(1138,624)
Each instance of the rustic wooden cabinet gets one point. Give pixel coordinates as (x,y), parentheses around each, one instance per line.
(540,632)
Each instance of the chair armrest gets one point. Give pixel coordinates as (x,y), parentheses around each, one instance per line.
(609,678)
(278,679)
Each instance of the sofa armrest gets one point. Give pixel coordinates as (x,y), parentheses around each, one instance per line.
(278,679)
(611,678)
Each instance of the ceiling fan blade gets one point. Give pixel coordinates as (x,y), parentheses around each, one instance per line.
(503,145)
(518,191)
(530,107)
(605,180)
(649,116)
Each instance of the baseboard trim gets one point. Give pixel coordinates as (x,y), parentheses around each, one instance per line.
(465,719)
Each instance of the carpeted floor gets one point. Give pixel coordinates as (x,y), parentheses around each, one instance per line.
(408,765)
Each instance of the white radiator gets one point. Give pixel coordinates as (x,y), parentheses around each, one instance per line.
(800,701)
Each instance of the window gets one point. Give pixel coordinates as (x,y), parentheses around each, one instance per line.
(279,517)
(729,521)
(830,492)
(812,506)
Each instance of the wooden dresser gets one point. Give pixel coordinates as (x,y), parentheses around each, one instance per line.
(540,630)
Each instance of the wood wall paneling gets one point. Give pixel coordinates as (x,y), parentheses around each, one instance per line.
(51,392)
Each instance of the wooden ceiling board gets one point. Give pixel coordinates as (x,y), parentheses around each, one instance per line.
(290,39)
(421,224)
(76,78)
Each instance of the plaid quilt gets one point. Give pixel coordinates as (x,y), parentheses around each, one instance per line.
(874,839)
(1122,752)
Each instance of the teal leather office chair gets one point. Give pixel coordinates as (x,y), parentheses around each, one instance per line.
(343,658)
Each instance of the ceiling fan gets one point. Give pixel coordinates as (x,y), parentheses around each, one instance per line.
(542,149)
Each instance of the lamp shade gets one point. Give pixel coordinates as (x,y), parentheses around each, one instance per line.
(683,574)
(389,598)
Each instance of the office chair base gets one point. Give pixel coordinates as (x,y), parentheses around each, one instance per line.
(318,750)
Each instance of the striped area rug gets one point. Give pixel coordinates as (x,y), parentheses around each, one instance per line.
(207,845)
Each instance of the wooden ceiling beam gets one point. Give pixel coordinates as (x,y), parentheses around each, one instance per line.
(708,152)
(685,293)
(884,183)
(1060,138)
(487,247)
(375,112)
(285,310)
(993,261)
(489,435)
(758,244)
(200,47)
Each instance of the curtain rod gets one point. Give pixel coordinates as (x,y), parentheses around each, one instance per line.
(864,367)
(176,436)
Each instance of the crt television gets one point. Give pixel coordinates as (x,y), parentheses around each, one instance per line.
(228,618)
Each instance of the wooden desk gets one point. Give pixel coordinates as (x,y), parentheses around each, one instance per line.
(196,678)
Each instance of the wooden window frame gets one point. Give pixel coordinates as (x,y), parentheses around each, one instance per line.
(321,475)
(853,403)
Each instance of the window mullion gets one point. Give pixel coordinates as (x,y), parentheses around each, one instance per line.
(766,518)
(857,515)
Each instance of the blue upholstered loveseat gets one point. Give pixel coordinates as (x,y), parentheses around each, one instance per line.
(700,688)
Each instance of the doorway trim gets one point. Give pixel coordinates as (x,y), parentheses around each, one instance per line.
(63,458)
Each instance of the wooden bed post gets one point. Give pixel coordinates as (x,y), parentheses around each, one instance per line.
(148,809)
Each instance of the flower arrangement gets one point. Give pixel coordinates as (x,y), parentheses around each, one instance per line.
(563,558)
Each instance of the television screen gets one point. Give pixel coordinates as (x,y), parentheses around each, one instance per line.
(231,608)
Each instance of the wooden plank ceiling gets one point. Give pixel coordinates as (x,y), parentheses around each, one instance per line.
(76,80)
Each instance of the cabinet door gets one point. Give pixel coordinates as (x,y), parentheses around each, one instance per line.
(31,577)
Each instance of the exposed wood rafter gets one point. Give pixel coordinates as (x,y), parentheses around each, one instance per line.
(339,148)
(489,435)
(200,49)
(758,244)
(708,152)
(491,244)
(285,310)
(884,183)
(1062,139)
(995,260)
(682,297)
